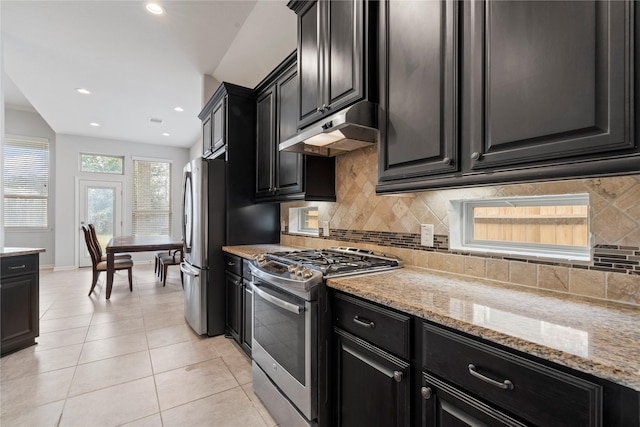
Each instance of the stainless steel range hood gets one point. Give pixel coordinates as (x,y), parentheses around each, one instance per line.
(347,130)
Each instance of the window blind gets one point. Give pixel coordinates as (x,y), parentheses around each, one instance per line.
(151,205)
(26,182)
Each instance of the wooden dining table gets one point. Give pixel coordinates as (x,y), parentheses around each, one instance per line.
(120,244)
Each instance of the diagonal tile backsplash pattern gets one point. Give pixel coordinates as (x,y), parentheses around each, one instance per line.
(361,216)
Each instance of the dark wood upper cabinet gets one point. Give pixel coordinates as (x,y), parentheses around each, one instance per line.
(418,90)
(289,178)
(282,175)
(266,146)
(486,92)
(548,80)
(334,39)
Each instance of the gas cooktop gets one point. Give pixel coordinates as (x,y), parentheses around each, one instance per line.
(332,262)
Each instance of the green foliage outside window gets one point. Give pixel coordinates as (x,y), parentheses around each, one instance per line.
(101,164)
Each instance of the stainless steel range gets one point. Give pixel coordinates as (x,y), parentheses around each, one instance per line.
(288,350)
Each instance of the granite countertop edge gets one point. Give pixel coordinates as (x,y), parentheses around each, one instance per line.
(417,283)
(9,252)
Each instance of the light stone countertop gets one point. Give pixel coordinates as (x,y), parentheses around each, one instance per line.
(249,251)
(599,338)
(595,337)
(7,252)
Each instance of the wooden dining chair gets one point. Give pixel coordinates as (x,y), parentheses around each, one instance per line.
(96,243)
(174,258)
(99,265)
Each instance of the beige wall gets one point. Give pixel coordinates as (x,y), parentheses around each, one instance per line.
(615,221)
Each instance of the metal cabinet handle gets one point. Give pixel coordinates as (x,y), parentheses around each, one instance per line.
(475,156)
(324,107)
(426,393)
(17,267)
(447,161)
(504,385)
(293,308)
(398,376)
(364,323)
(231,263)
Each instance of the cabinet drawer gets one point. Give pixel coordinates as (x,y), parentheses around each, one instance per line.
(15,265)
(531,391)
(233,264)
(384,328)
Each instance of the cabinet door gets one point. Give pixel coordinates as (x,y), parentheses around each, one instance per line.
(309,63)
(234,305)
(206,136)
(218,125)
(266,147)
(445,406)
(547,80)
(344,54)
(247,314)
(19,316)
(289,177)
(373,386)
(418,51)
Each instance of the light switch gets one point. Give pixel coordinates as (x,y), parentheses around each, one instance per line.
(426,235)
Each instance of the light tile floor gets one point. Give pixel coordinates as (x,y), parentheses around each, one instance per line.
(129,361)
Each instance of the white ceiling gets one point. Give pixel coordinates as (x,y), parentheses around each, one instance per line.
(137,65)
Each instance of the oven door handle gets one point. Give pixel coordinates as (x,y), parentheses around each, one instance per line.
(277,301)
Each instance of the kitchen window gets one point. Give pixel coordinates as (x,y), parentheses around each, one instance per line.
(555,226)
(304,220)
(101,164)
(26,182)
(151,207)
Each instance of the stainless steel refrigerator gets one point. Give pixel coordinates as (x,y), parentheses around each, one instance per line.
(218,210)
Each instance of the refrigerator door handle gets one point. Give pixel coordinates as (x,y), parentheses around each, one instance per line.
(187,269)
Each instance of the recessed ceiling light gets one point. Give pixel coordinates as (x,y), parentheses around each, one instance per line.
(94,124)
(166,134)
(178,109)
(83,91)
(155,8)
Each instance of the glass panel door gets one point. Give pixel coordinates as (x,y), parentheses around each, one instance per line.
(100,205)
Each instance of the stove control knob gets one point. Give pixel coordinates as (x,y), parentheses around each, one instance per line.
(292,268)
(299,270)
(261,259)
(307,273)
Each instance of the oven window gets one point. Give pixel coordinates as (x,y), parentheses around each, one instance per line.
(281,332)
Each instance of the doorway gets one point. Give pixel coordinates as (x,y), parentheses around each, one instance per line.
(100,204)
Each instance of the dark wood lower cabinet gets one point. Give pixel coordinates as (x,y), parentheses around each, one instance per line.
(373,385)
(234,305)
(446,406)
(247,316)
(19,301)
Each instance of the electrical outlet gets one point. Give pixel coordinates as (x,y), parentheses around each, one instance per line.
(325,228)
(426,235)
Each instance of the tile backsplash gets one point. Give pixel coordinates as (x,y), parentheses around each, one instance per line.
(391,224)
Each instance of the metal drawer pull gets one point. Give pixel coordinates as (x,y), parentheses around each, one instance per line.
(231,263)
(505,385)
(17,267)
(426,393)
(398,376)
(277,301)
(365,323)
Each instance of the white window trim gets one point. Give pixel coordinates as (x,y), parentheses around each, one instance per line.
(461,228)
(294,225)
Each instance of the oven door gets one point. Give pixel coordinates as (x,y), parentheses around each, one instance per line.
(284,339)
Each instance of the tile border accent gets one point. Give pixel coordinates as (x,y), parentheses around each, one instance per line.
(607,258)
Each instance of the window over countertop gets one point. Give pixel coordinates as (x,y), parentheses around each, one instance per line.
(549,226)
